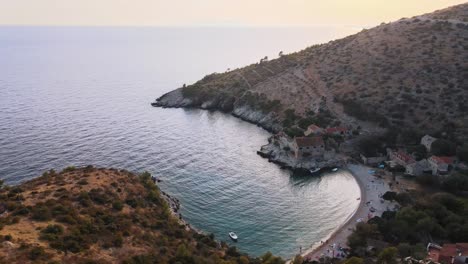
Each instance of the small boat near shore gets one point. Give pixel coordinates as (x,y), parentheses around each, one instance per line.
(335,169)
(233,236)
(315,170)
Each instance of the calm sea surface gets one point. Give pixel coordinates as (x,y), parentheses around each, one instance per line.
(78,96)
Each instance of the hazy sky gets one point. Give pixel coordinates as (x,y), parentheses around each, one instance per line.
(213,12)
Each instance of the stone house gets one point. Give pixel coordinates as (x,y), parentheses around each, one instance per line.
(441,165)
(427,141)
(314,130)
(308,147)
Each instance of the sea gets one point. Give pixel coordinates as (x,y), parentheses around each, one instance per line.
(81,95)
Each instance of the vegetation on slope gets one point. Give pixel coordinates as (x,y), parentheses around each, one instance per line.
(92,215)
(439,217)
(411,73)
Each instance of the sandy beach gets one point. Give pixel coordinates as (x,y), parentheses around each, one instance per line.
(372,188)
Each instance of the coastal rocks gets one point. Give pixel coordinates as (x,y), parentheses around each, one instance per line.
(173,202)
(278,151)
(173,99)
(266,121)
(228,104)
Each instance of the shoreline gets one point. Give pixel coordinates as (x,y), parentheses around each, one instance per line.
(316,248)
(371,188)
(340,234)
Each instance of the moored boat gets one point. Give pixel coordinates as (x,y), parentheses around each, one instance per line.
(315,170)
(233,236)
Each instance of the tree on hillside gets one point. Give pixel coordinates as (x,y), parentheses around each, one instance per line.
(388,256)
(442,147)
(389,196)
(370,146)
(463,153)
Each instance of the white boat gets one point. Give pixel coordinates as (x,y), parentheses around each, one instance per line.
(233,236)
(315,170)
(335,169)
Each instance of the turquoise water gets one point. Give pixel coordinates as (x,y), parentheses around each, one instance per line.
(81,96)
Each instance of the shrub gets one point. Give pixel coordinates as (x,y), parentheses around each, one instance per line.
(37,253)
(442,147)
(117,205)
(41,212)
(51,232)
(69,169)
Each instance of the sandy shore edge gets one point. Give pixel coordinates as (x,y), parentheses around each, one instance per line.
(372,187)
(350,220)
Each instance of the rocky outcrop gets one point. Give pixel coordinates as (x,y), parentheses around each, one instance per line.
(278,151)
(175,99)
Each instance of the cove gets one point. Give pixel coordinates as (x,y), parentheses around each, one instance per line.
(83,98)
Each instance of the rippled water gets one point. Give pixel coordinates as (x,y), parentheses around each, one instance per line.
(81,96)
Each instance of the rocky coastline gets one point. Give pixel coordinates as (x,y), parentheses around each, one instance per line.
(174,207)
(175,99)
(278,149)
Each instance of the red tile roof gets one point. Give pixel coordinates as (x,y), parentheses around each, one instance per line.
(407,158)
(443,159)
(452,250)
(308,141)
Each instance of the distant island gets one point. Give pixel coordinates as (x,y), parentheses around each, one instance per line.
(97,215)
(392,98)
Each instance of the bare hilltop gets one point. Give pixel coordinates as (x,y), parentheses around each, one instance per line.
(408,74)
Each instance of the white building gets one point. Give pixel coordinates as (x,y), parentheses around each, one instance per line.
(427,141)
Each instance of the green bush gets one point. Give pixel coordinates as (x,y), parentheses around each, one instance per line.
(117,205)
(442,147)
(37,253)
(41,212)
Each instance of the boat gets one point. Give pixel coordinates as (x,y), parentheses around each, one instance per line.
(335,169)
(233,236)
(315,170)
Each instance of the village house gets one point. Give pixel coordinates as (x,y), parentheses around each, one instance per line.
(400,157)
(448,253)
(313,130)
(418,168)
(412,167)
(441,165)
(338,131)
(427,141)
(308,147)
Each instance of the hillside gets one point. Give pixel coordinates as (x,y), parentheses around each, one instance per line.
(93,215)
(412,74)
